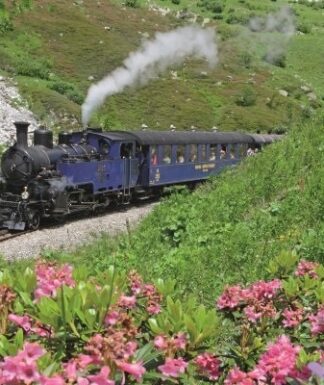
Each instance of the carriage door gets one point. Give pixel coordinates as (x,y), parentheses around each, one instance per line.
(126,154)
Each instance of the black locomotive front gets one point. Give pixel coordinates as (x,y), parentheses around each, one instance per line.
(30,186)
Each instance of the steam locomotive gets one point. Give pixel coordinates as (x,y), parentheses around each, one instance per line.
(92,169)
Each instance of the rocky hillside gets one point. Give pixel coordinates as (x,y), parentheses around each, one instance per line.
(12,108)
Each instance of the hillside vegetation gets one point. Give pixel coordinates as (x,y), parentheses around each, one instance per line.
(231,227)
(55,50)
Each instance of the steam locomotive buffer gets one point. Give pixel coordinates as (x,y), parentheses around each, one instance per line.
(90,169)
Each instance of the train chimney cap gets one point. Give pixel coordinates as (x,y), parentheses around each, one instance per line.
(21,123)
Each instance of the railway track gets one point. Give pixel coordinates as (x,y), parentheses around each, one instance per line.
(6,234)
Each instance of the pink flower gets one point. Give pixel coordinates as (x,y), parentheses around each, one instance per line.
(307,267)
(130,349)
(208,365)
(292,318)
(260,310)
(42,331)
(237,377)
(153,308)
(278,362)
(316,369)
(251,314)
(231,297)
(149,290)
(32,351)
(180,341)
(51,277)
(55,380)
(70,369)
(112,318)
(264,290)
(84,360)
(21,368)
(128,302)
(317,322)
(27,372)
(160,342)
(82,381)
(23,321)
(101,378)
(137,369)
(173,367)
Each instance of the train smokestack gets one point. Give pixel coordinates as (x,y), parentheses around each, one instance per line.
(22,133)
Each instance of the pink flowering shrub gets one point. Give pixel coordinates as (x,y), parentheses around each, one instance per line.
(114,330)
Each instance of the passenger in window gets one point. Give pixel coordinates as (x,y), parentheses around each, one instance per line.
(180,159)
(223,152)
(153,157)
(166,159)
(250,152)
(212,156)
(104,148)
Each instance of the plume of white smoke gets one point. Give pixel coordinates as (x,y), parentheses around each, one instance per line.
(282,22)
(153,57)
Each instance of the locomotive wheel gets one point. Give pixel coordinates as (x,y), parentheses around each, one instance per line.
(33,220)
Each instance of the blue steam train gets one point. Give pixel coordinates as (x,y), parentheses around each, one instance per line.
(92,169)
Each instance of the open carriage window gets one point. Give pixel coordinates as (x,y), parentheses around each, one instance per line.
(154,158)
(243,150)
(104,147)
(223,151)
(203,152)
(167,154)
(213,152)
(180,153)
(193,153)
(126,150)
(232,148)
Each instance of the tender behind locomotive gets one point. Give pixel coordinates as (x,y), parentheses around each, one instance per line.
(90,169)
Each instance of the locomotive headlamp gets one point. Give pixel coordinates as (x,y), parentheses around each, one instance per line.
(25,194)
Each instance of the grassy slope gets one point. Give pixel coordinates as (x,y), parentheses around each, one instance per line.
(230,228)
(65,43)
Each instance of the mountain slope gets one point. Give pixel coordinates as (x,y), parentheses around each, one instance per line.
(56,50)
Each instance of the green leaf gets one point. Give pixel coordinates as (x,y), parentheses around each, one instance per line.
(19,339)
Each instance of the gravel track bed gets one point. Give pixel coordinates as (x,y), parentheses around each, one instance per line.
(72,234)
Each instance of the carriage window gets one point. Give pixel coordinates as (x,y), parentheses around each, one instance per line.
(126,150)
(232,151)
(213,151)
(203,152)
(167,154)
(193,153)
(154,158)
(223,151)
(180,153)
(243,150)
(104,147)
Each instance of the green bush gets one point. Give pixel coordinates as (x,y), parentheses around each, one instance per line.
(131,3)
(33,68)
(276,58)
(5,21)
(246,98)
(304,27)
(67,89)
